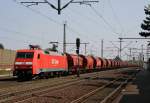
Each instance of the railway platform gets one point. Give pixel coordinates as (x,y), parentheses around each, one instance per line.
(138,91)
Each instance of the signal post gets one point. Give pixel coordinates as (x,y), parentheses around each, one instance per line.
(77,51)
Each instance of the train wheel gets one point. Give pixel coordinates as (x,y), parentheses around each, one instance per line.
(46,75)
(65,73)
(51,75)
(41,75)
(55,74)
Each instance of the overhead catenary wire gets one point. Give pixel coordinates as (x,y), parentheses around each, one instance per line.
(89,19)
(76,32)
(116,17)
(92,41)
(28,40)
(39,13)
(85,17)
(17,40)
(17,32)
(55,21)
(79,33)
(47,17)
(104,20)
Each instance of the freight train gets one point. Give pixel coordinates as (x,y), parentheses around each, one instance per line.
(35,62)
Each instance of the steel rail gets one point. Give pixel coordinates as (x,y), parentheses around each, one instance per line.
(85,97)
(116,92)
(23,95)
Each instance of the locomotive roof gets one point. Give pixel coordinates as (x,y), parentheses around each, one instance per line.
(39,50)
(52,53)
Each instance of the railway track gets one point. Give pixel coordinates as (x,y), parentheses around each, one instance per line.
(25,96)
(103,94)
(22,95)
(10,82)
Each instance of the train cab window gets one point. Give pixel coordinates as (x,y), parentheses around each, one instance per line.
(25,55)
(38,56)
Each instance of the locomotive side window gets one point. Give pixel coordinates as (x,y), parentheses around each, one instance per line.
(25,55)
(38,56)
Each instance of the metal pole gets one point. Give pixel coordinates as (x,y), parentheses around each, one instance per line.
(64,39)
(120,47)
(85,48)
(77,51)
(1,58)
(142,52)
(59,6)
(142,59)
(130,55)
(147,52)
(78,69)
(147,63)
(102,48)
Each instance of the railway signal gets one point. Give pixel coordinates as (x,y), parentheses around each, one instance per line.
(77,45)
(77,51)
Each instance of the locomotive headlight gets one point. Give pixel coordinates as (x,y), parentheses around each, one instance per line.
(30,67)
(18,63)
(23,63)
(28,63)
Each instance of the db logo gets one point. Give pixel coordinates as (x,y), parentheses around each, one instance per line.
(55,61)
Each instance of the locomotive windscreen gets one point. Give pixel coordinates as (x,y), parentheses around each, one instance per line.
(25,55)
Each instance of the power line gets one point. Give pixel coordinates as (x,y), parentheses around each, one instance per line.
(116,18)
(50,19)
(86,17)
(79,34)
(39,13)
(76,32)
(16,32)
(47,17)
(20,34)
(75,21)
(115,15)
(105,21)
(16,40)
(83,28)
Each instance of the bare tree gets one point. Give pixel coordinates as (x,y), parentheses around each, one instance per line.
(1,46)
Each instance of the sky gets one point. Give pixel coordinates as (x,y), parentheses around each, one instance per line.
(40,24)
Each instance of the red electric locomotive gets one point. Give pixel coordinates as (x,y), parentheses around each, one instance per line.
(32,62)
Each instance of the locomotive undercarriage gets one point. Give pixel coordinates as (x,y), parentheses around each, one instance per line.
(23,74)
